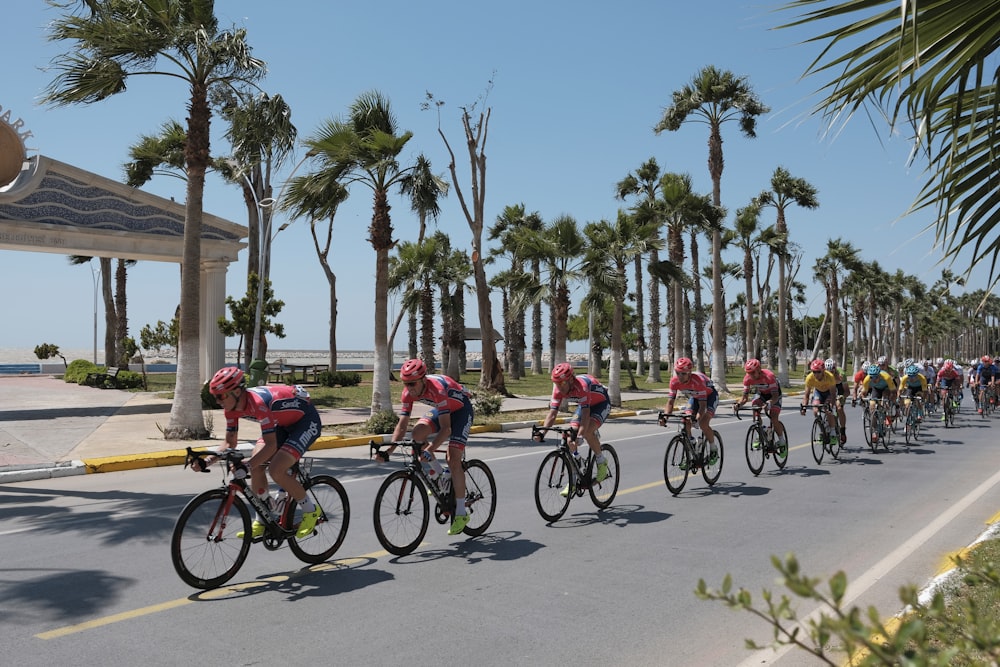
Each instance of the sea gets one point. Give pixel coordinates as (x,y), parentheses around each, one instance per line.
(364,358)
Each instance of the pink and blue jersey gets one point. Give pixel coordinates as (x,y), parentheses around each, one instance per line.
(446,397)
(281,409)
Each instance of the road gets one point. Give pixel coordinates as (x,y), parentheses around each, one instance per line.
(87,577)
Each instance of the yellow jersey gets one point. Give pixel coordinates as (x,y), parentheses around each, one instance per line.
(823,382)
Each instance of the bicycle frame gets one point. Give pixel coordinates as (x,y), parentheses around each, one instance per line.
(277,526)
(584,465)
(446,500)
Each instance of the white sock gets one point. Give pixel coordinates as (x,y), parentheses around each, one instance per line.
(460,506)
(307,505)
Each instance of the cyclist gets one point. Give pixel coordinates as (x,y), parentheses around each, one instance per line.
(831,366)
(289,425)
(768,391)
(821,386)
(449,420)
(703,400)
(981,378)
(592,409)
(859,377)
(949,382)
(879,384)
(884,364)
(914,385)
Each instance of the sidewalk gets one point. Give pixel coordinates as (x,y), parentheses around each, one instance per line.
(50,428)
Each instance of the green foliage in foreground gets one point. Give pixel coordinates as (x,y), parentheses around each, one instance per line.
(949,630)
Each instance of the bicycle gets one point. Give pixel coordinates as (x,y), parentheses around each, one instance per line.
(212,535)
(562,471)
(823,440)
(402,506)
(760,442)
(948,407)
(876,424)
(686,454)
(913,410)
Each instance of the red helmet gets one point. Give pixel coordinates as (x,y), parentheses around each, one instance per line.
(413,370)
(563,372)
(227,379)
(683,365)
(987,360)
(752,366)
(948,365)
(817,365)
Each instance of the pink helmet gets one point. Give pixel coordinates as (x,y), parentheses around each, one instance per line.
(563,372)
(752,366)
(683,365)
(987,359)
(413,370)
(226,379)
(817,365)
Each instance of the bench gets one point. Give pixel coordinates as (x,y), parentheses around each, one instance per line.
(105,380)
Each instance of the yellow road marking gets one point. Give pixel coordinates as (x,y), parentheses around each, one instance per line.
(213,594)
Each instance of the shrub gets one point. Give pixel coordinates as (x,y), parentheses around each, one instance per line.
(78,369)
(486,403)
(341,378)
(382,422)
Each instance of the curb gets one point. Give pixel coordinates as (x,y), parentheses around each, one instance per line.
(174,457)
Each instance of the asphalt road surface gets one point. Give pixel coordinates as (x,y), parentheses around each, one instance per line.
(87,577)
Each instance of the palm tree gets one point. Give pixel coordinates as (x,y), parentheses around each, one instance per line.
(560,247)
(645,182)
(116,39)
(422,260)
(715,97)
(364,148)
(841,258)
(509,228)
(424,189)
(936,70)
(748,238)
(785,191)
(110,324)
(613,247)
(262,137)
(317,199)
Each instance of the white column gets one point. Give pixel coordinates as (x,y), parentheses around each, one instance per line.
(213,306)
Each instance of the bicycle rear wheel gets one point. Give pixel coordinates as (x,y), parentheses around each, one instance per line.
(401,513)
(331,527)
(711,471)
(603,493)
(204,547)
(555,474)
(818,440)
(676,465)
(480,497)
(756,443)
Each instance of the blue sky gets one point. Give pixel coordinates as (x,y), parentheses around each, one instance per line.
(578,87)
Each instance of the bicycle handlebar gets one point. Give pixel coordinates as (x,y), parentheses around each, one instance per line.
(197,458)
(541,430)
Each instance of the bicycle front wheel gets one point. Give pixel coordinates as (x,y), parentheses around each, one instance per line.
(712,469)
(402,513)
(676,465)
(331,527)
(206,546)
(555,484)
(756,442)
(818,441)
(604,492)
(480,497)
